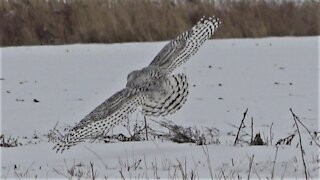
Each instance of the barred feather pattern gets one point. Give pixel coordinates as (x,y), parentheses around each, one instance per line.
(153,88)
(103,118)
(179,50)
(176,91)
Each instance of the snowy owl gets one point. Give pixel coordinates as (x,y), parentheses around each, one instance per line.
(153,88)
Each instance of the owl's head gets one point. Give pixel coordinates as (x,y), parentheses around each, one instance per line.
(143,77)
(133,75)
(136,79)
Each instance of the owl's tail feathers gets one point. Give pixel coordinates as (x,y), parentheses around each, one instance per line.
(176,88)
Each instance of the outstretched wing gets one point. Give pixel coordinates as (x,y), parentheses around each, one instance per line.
(176,91)
(185,45)
(110,113)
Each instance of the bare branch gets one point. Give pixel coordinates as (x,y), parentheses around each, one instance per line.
(146,127)
(251,130)
(274,162)
(297,119)
(250,166)
(237,137)
(270,134)
(301,148)
(206,152)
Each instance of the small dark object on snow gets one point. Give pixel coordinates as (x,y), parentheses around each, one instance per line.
(35,100)
(22,82)
(257,140)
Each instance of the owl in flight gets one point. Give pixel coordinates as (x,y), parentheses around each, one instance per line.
(154,88)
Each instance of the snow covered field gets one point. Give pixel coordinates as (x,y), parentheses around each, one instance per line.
(268,76)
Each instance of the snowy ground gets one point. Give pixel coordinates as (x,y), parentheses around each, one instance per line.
(268,76)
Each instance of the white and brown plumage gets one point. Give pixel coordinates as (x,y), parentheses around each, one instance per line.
(153,88)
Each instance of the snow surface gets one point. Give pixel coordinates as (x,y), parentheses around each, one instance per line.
(268,76)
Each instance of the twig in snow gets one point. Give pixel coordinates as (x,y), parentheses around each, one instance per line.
(206,152)
(155,168)
(250,166)
(297,119)
(196,167)
(93,173)
(58,172)
(183,171)
(270,134)
(274,162)
(237,137)
(224,176)
(122,177)
(251,130)
(301,148)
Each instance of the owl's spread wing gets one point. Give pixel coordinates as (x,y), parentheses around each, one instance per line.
(175,95)
(121,103)
(108,114)
(185,45)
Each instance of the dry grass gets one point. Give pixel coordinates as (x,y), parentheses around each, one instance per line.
(34,22)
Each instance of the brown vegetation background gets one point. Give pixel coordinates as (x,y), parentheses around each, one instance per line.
(34,22)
